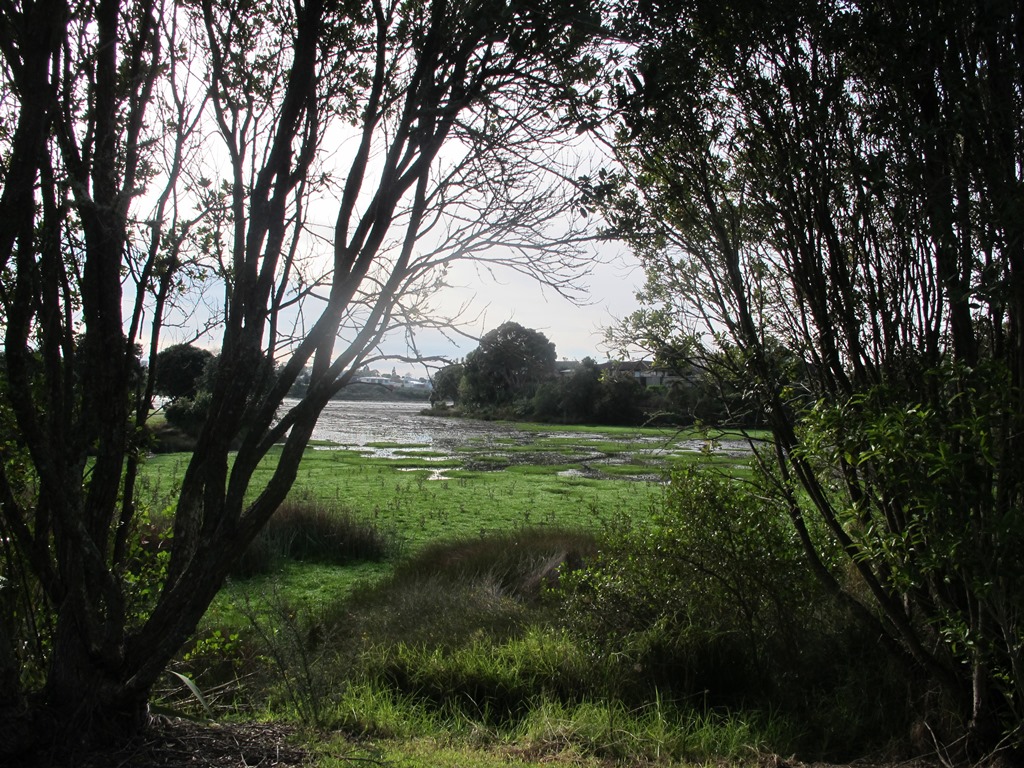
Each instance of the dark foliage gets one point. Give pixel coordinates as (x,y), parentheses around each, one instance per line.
(314,533)
(822,196)
(707,598)
(179,369)
(509,364)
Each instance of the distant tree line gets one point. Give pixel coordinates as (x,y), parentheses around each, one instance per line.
(513,373)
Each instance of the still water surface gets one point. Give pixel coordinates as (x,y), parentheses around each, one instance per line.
(361,423)
(367,425)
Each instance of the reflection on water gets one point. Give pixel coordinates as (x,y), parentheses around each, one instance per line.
(402,427)
(360,424)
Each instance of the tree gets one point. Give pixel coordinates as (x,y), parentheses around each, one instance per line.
(156,152)
(620,399)
(571,399)
(179,369)
(591,395)
(446,383)
(834,180)
(509,363)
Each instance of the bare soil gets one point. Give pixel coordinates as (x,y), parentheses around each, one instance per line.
(175,743)
(178,743)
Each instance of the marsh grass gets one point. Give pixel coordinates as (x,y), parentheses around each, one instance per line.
(449,594)
(400,495)
(554,732)
(494,681)
(315,532)
(425,498)
(656,732)
(444,626)
(461,644)
(520,561)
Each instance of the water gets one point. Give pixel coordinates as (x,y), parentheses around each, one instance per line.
(362,424)
(365,426)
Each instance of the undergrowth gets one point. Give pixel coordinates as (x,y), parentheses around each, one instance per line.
(683,630)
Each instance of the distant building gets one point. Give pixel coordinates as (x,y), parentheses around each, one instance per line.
(641,370)
(567,367)
(384,381)
(411,382)
(393,381)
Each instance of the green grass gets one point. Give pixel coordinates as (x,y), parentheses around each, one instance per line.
(309,586)
(404,732)
(433,752)
(455,658)
(448,652)
(398,494)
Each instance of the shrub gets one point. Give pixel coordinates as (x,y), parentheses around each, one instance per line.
(188,413)
(699,591)
(708,598)
(619,401)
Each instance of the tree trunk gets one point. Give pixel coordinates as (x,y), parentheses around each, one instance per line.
(89,699)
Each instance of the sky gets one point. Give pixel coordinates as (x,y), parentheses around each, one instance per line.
(577,329)
(491,298)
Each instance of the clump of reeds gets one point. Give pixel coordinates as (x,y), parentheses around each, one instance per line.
(314,532)
(519,562)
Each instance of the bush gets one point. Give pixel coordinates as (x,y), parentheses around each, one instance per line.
(188,413)
(619,401)
(707,584)
(588,397)
(709,599)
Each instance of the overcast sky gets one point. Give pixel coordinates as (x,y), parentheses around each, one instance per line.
(577,330)
(489,298)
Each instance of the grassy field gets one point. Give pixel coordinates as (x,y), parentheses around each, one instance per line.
(417,496)
(443,647)
(422,496)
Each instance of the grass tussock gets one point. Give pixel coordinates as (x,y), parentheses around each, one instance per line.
(521,563)
(656,732)
(446,594)
(315,532)
(489,680)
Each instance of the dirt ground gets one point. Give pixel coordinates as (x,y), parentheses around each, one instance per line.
(177,743)
(184,744)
